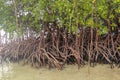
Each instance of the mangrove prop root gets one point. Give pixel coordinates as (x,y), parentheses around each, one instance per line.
(58,47)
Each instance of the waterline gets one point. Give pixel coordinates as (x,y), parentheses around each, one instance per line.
(70,72)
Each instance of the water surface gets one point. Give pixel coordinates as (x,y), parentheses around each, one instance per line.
(70,72)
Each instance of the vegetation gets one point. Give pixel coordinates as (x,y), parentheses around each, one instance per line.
(56,32)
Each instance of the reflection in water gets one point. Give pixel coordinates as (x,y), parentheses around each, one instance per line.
(5,71)
(70,72)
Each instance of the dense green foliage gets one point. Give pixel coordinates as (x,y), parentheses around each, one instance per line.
(18,15)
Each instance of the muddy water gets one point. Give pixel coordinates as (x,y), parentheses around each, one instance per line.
(70,72)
